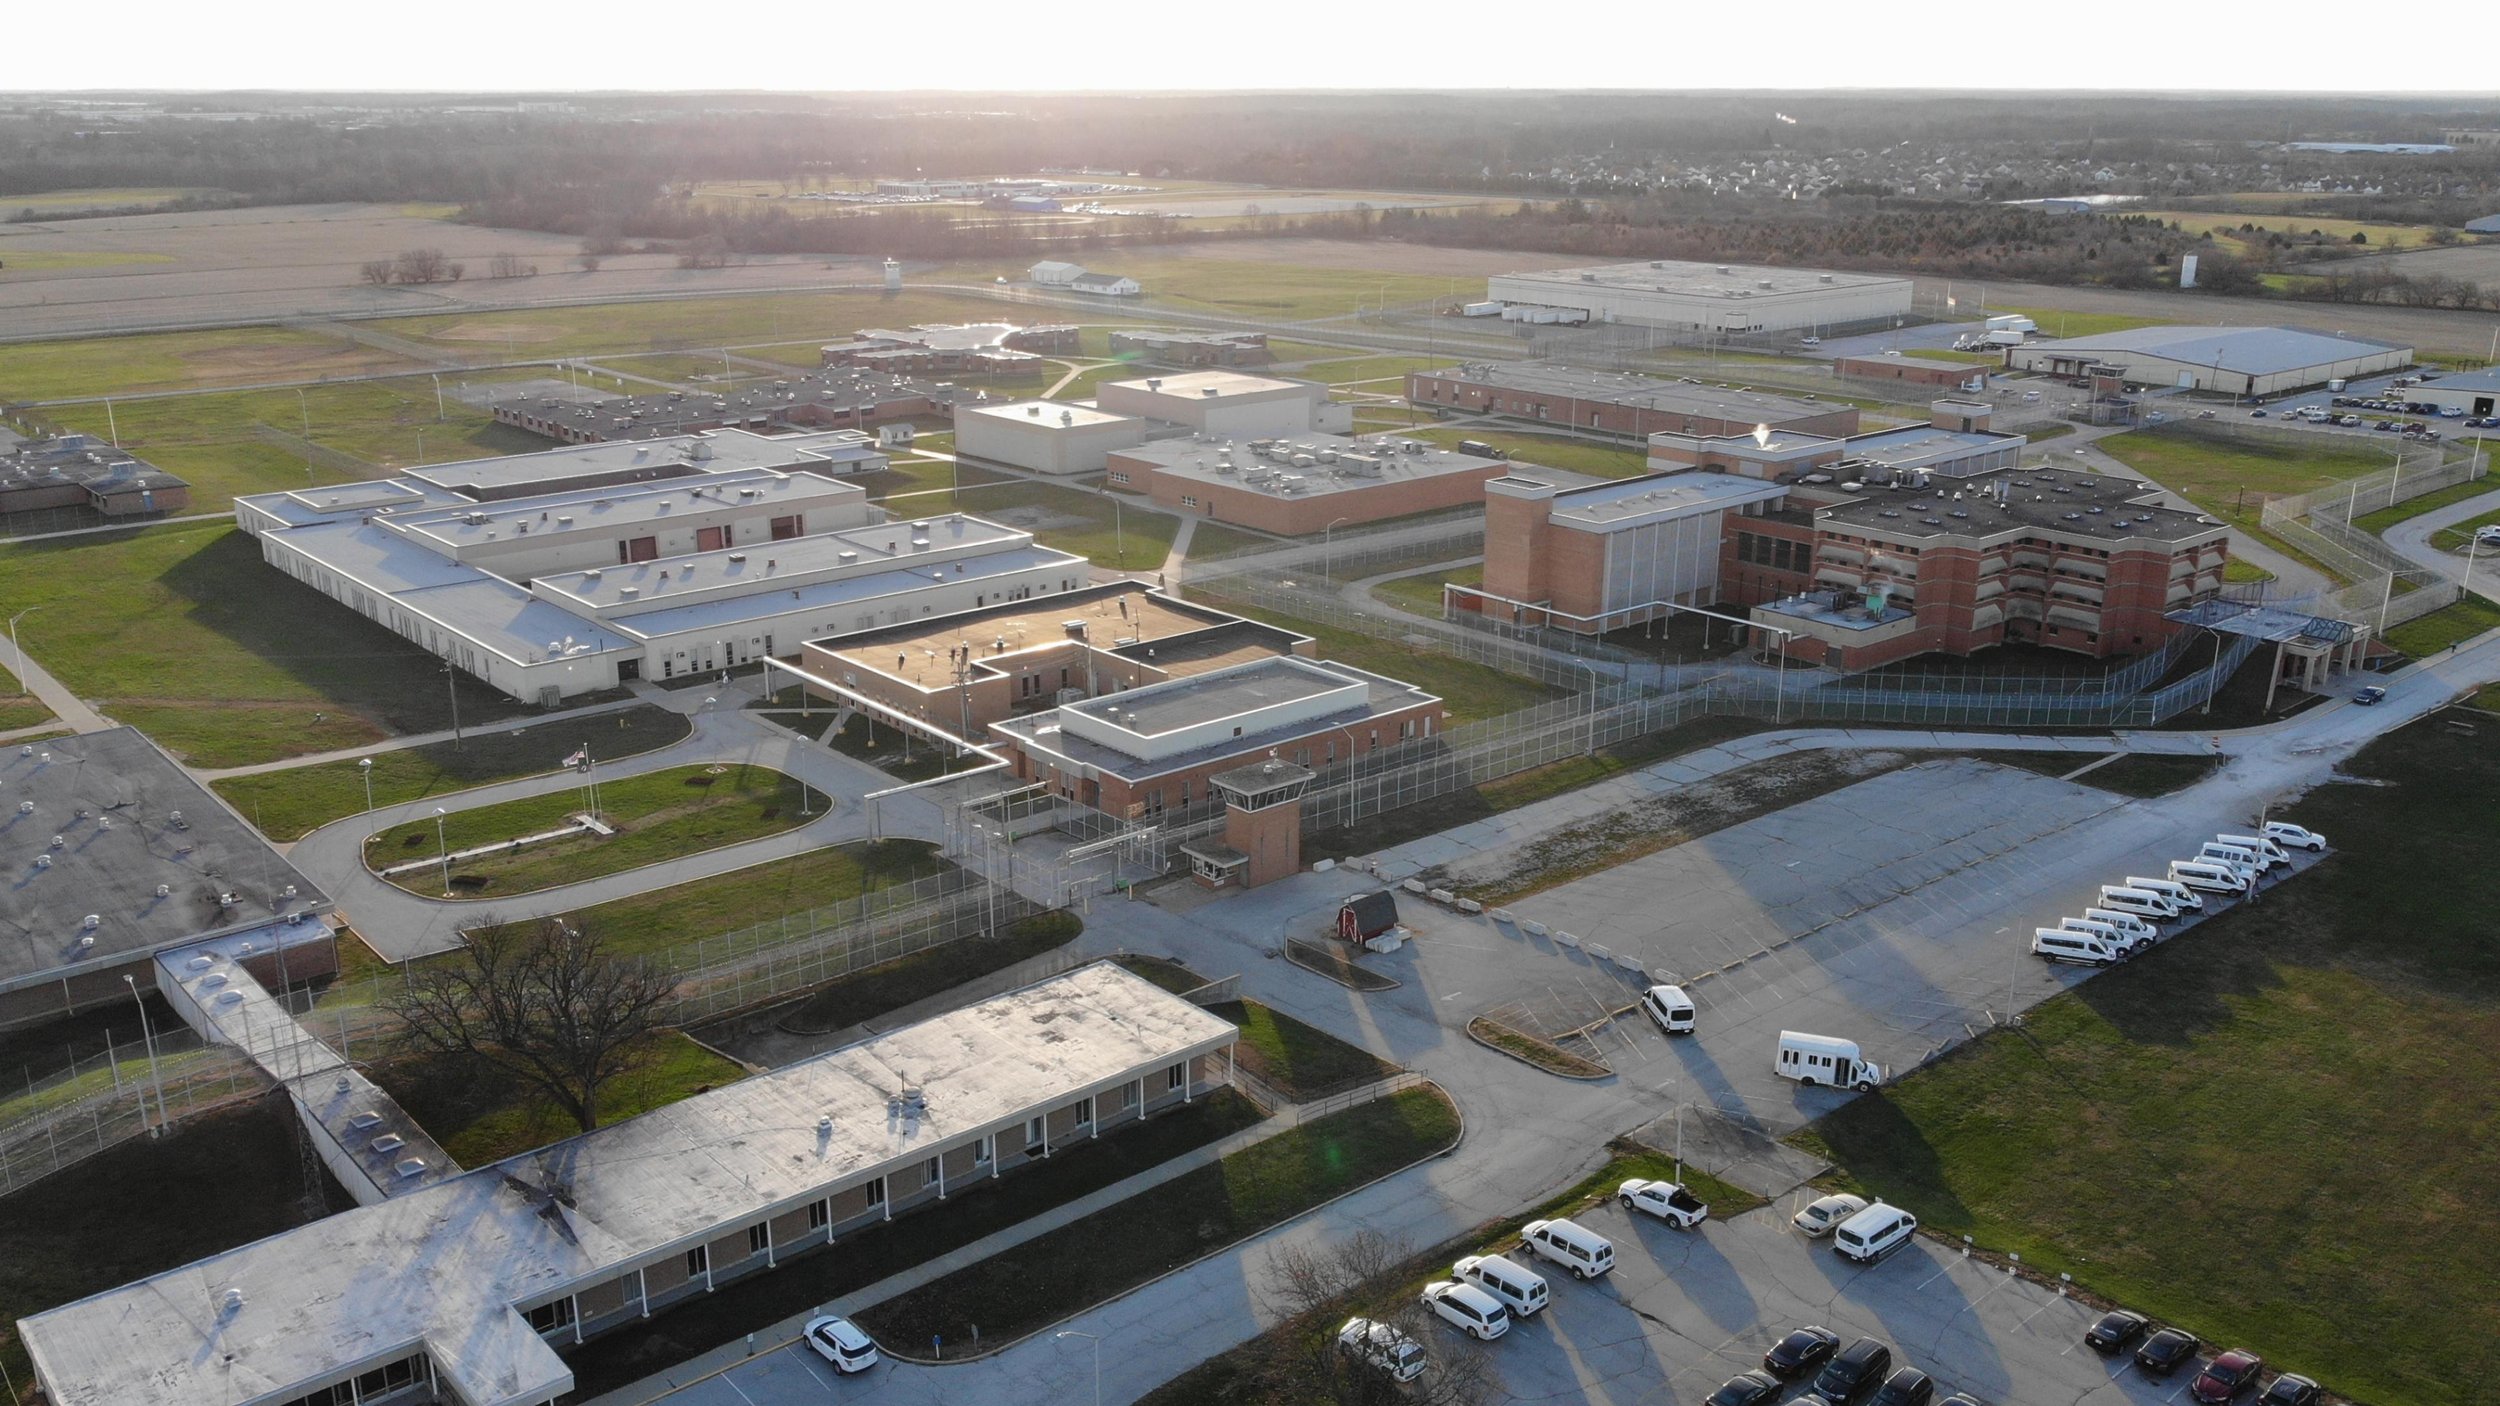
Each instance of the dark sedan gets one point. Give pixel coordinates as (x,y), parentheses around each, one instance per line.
(2166,1351)
(2116,1329)
(1801,1351)
(1747,1389)
(2227,1378)
(2290,1390)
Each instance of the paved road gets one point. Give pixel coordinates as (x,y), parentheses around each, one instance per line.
(1528,1133)
(2412,538)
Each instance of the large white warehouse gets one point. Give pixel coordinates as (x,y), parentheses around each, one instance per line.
(2226,360)
(1709,297)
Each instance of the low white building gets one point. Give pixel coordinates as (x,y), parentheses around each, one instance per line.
(1045,436)
(2475,393)
(1054,273)
(1693,297)
(2225,360)
(1106,285)
(1229,404)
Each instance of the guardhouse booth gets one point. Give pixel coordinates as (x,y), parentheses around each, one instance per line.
(1366,916)
(1262,826)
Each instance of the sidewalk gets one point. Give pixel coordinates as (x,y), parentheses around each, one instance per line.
(68,707)
(787,1330)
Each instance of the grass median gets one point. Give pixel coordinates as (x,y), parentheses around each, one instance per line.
(806,886)
(1112,1251)
(2273,1130)
(292,803)
(657,816)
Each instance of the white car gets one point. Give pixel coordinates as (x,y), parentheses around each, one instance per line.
(2488,535)
(1382,1347)
(1467,1308)
(1819,1218)
(1666,1200)
(2291,836)
(840,1342)
(1669,1008)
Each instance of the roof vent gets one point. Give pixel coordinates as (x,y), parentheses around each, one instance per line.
(233,1301)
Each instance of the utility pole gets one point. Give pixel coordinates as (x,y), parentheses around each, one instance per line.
(451,686)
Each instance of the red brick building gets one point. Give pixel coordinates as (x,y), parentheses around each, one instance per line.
(1910,370)
(1617,403)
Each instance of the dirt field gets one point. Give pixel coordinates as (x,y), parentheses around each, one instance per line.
(2475,263)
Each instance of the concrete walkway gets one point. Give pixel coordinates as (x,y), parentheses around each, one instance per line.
(68,707)
(2412,537)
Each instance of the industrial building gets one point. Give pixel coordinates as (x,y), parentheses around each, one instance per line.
(839,398)
(1138,753)
(1227,404)
(81,471)
(121,854)
(1045,436)
(1618,403)
(960,672)
(956,348)
(575,570)
(1170,348)
(470,1290)
(1711,298)
(2254,361)
(2475,393)
(1303,483)
(1912,371)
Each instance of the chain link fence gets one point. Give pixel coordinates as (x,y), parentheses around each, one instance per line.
(62,1135)
(2385,587)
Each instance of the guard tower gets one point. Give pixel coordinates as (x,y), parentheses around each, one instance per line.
(1262,826)
(893,276)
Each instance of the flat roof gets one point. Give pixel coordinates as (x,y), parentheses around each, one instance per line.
(841,592)
(1213,384)
(300,507)
(1913,445)
(1126,617)
(1684,397)
(1657,497)
(2069,502)
(709,451)
(1699,280)
(110,799)
(1340,463)
(1180,337)
(77,459)
(485,609)
(1927,363)
(2257,351)
(873,547)
(442,1268)
(621,508)
(944,336)
(836,389)
(1055,414)
(1208,698)
(2470,382)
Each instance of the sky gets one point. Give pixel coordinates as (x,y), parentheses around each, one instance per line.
(987,46)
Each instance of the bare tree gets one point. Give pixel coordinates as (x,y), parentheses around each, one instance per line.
(376,271)
(1314,1290)
(588,261)
(421,266)
(510,266)
(542,1001)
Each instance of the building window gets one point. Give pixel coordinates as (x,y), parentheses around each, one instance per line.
(785,528)
(1176,1077)
(759,1238)
(929,1172)
(985,1151)
(1032,1133)
(1085,1112)
(819,1215)
(698,1261)
(876,1192)
(1119,476)
(398,1376)
(1188,501)
(548,1317)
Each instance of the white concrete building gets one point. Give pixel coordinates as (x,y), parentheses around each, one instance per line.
(1229,404)
(2225,360)
(1690,297)
(2475,393)
(1054,273)
(1045,436)
(1106,285)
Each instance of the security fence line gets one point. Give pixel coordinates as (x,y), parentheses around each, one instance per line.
(2386,587)
(65,1135)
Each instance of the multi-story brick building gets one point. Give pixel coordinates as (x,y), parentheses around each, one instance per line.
(1618,403)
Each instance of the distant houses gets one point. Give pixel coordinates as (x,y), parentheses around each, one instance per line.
(1053,273)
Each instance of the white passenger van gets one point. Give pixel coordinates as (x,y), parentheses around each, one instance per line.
(1874,1233)
(2143,903)
(1467,1308)
(2064,945)
(1575,1247)
(2269,854)
(2186,899)
(2089,926)
(2246,861)
(2208,876)
(1522,1291)
(1824,1059)
(2134,929)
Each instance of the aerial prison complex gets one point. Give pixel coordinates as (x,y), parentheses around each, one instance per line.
(1856,551)
(470,1287)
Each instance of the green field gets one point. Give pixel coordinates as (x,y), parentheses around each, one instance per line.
(177,360)
(2301,231)
(289,804)
(2231,478)
(1128,537)
(1469,690)
(705,908)
(34,260)
(1420,594)
(2441,628)
(481,1115)
(185,633)
(2055,322)
(63,202)
(658,816)
(232,443)
(1370,371)
(1578,456)
(2273,1130)
(1268,291)
(785,319)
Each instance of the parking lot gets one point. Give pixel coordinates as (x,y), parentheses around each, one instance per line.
(1685,1310)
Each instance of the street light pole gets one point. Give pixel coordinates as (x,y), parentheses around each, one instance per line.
(1328,548)
(147,1033)
(18,654)
(366,766)
(1097,1342)
(451,686)
(443,846)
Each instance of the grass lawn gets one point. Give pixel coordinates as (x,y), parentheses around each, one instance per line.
(661,815)
(176,360)
(1579,456)
(798,323)
(2040,432)
(865,1256)
(186,634)
(1301,1061)
(1113,1250)
(59,202)
(1129,537)
(2273,1130)
(1214,539)
(2376,523)
(1361,369)
(2487,698)
(2133,774)
(17,707)
(1420,594)
(700,908)
(1470,690)
(2456,537)
(2441,628)
(2233,479)
(481,1115)
(2056,323)
(29,260)
(2300,231)
(1266,291)
(290,804)
(2238,572)
(134,1210)
(890,986)
(1240,1378)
